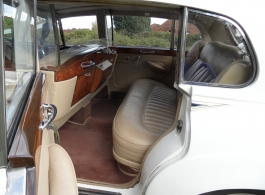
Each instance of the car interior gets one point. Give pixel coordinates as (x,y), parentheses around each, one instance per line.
(115,102)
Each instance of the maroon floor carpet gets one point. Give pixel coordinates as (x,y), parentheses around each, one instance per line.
(90,145)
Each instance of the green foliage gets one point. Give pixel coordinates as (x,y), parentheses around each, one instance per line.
(148,39)
(8,23)
(192,39)
(131,25)
(145,39)
(80,36)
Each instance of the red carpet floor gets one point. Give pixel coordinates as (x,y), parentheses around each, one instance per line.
(90,145)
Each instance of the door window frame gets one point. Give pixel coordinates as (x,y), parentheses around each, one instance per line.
(182,46)
(6,137)
(173,15)
(3,145)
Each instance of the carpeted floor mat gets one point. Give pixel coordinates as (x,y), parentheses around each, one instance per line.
(90,145)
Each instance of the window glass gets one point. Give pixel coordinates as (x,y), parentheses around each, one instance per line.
(193,35)
(218,55)
(80,30)
(45,35)
(142,31)
(109,28)
(19,55)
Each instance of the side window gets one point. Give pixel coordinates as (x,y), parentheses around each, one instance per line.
(80,30)
(45,34)
(218,53)
(141,31)
(19,55)
(193,35)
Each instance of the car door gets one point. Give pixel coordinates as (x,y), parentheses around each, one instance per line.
(25,118)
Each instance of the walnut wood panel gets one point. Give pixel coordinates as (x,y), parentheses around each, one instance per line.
(28,136)
(69,71)
(72,67)
(83,85)
(145,51)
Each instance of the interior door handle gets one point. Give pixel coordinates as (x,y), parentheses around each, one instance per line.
(87,64)
(49,113)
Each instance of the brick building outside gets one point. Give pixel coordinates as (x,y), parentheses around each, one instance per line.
(166,27)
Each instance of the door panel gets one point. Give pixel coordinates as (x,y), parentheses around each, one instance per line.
(134,64)
(73,81)
(28,136)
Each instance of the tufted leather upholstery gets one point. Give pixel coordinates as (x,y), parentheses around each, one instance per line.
(226,61)
(148,111)
(220,55)
(194,54)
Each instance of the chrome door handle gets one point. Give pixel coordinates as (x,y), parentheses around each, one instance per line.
(87,74)
(49,113)
(87,64)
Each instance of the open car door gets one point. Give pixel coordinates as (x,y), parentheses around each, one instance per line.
(34,145)
(55,173)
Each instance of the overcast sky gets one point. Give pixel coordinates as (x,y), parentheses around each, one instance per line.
(86,22)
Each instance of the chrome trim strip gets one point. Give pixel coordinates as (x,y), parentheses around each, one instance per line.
(88,191)
(3,180)
(172,37)
(56,35)
(31,181)
(16,181)
(247,42)
(35,38)
(182,45)
(61,32)
(3,145)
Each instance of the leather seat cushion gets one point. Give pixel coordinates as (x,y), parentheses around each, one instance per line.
(148,110)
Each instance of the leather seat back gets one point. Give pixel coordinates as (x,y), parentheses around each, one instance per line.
(226,61)
(220,55)
(194,54)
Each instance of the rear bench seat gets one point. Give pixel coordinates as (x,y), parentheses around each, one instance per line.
(148,110)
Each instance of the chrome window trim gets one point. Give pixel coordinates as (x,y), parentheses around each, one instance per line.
(247,42)
(35,52)
(61,32)
(16,181)
(182,45)
(172,36)
(56,35)
(3,145)
(3,180)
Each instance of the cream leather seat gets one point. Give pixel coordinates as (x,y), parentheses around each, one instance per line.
(226,61)
(148,110)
